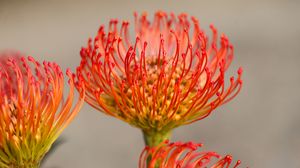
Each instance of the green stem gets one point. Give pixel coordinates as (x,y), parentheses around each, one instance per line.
(155,138)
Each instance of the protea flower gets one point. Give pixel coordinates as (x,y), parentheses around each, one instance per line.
(170,76)
(182,155)
(33,112)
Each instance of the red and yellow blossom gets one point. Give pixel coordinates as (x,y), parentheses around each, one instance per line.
(171,75)
(182,155)
(33,111)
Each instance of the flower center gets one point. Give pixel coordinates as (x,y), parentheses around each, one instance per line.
(161,93)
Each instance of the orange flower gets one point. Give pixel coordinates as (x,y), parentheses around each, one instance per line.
(182,155)
(170,76)
(33,113)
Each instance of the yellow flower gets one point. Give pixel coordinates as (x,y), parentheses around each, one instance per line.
(33,113)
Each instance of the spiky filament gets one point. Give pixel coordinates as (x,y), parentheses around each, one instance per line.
(33,112)
(170,76)
(182,155)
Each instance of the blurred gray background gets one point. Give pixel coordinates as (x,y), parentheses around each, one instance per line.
(260,126)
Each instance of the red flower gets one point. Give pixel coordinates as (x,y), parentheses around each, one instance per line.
(170,76)
(182,155)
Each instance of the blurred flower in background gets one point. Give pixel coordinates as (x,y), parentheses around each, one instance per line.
(170,76)
(33,111)
(182,155)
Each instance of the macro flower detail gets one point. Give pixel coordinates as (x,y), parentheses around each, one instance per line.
(182,155)
(33,111)
(170,76)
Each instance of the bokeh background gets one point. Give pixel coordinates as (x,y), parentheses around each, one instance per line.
(260,127)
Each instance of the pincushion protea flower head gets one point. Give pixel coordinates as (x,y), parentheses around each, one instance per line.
(33,113)
(170,76)
(182,155)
